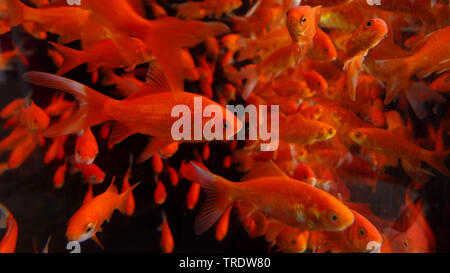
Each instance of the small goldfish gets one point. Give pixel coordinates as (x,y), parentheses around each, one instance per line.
(91,173)
(292,240)
(222,224)
(160,194)
(86,147)
(8,243)
(166,242)
(301,23)
(391,144)
(59,176)
(87,220)
(361,236)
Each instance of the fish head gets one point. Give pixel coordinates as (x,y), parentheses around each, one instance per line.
(34,118)
(325,132)
(363,235)
(300,22)
(359,136)
(367,36)
(81,228)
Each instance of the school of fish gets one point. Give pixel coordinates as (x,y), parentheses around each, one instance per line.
(351,80)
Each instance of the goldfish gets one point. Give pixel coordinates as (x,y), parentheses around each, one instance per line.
(391,144)
(129,111)
(364,38)
(166,242)
(22,151)
(222,225)
(193,195)
(99,55)
(130,206)
(317,131)
(361,236)
(91,173)
(33,117)
(428,58)
(86,147)
(88,219)
(321,212)
(59,176)
(161,35)
(8,243)
(292,240)
(301,23)
(160,194)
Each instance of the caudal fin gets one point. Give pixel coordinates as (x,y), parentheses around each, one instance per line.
(399,71)
(90,113)
(122,207)
(438,160)
(15,11)
(249,72)
(217,195)
(72,58)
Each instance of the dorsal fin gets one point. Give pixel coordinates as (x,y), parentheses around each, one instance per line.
(112,188)
(155,82)
(269,169)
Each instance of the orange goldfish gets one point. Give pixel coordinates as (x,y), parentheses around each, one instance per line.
(86,148)
(33,117)
(59,176)
(193,195)
(222,224)
(297,129)
(166,34)
(91,173)
(301,23)
(286,202)
(166,242)
(130,206)
(8,243)
(87,220)
(292,240)
(106,54)
(430,57)
(145,112)
(361,236)
(391,144)
(160,194)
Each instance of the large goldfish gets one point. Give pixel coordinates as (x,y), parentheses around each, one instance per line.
(147,111)
(292,202)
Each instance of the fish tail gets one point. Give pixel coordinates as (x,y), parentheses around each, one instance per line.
(353,68)
(124,197)
(250,72)
(72,58)
(185,33)
(108,77)
(90,113)
(218,197)
(438,160)
(16,10)
(399,70)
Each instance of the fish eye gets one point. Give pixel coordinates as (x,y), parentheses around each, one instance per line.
(362,233)
(357,134)
(89,227)
(333,217)
(331,131)
(79,152)
(326,50)
(302,20)
(293,242)
(405,243)
(368,24)
(35,121)
(226,125)
(319,84)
